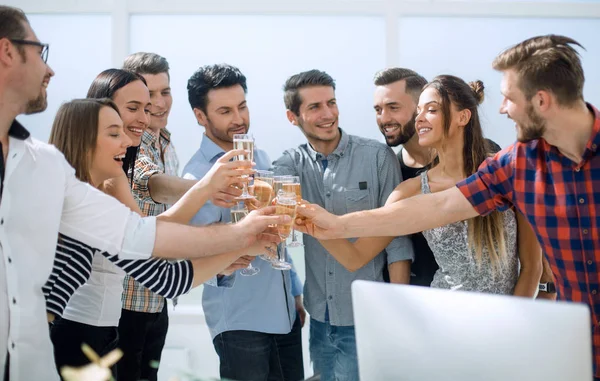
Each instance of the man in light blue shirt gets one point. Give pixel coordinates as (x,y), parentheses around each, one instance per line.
(253,320)
(342,173)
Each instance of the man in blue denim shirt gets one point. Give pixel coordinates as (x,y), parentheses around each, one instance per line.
(342,173)
(253,321)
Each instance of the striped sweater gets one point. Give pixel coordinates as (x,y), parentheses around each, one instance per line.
(73,266)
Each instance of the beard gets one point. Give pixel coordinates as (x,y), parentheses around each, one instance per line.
(224,135)
(36,105)
(534,129)
(406,132)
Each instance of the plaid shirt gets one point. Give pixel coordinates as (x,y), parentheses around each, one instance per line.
(157,155)
(561,200)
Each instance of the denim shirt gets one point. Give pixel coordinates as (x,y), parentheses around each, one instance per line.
(359,174)
(261,303)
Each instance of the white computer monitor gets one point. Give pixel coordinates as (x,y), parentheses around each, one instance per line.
(410,333)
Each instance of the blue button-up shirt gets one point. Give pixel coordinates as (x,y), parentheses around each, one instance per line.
(260,303)
(358,175)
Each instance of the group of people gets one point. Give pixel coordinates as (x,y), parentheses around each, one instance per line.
(97,229)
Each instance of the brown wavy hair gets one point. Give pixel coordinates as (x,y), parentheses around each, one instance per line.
(75,131)
(485,231)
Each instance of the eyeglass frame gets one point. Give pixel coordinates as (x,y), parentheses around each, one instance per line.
(45,47)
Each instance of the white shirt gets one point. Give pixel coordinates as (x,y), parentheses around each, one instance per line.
(41,196)
(98,301)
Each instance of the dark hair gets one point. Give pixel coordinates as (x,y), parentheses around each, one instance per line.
(483,231)
(105,85)
(414,81)
(146,63)
(75,132)
(12,26)
(546,63)
(212,77)
(311,78)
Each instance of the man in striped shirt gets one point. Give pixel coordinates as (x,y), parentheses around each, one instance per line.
(550,175)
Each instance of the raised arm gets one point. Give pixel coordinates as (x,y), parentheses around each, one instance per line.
(418,213)
(222,174)
(530,257)
(354,255)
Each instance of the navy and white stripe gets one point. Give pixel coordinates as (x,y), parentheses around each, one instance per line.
(73,266)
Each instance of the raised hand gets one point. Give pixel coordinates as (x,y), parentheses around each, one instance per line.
(223,175)
(314,220)
(255,226)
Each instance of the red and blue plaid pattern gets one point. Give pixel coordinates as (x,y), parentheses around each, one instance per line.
(561,200)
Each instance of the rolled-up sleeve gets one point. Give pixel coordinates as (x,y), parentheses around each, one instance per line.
(102,222)
(144,168)
(491,187)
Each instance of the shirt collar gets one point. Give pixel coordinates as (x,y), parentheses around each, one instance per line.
(339,150)
(149,138)
(17,131)
(593,144)
(210,149)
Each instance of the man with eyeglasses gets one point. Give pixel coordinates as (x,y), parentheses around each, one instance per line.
(40,197)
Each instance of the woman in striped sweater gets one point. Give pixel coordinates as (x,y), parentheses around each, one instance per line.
(90,133)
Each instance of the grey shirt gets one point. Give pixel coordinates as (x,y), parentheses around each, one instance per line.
(360,174)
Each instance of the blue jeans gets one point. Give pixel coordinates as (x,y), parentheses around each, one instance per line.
(333,351)
(258,356)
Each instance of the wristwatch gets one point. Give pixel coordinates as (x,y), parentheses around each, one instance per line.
(548,287)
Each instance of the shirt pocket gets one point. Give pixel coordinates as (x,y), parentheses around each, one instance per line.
(357,199)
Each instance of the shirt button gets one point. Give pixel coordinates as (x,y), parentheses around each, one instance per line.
(13,345)
(581,200)
(14,301)
(594,147)
(585,231)
(589,262)
(1,221)
(594,292)
(331,273)
(328,194)
(577,169)
(9,260)
(330,297)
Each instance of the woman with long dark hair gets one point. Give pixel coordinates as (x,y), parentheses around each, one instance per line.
(481,254)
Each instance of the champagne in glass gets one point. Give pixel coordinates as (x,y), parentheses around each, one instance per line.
(294,187)
(238,212)
(285,205)
(263,188)
(278,182)
(245,142)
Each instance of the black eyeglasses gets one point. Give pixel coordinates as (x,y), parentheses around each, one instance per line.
(45,47)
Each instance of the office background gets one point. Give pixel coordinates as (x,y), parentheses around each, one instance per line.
(269,40)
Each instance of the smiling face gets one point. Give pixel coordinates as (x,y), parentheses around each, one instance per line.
(111,146)
(528,123)
(133,102)
(226,114)
(33,75)
(318,114)
(161,99)
(430,121)
(395,113)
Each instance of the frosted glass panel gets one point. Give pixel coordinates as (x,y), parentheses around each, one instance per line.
(80,48)
(466,47)
(267,49)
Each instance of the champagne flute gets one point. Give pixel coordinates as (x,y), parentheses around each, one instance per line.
(294,187)
(278,182)
(262,190)
(285,205)
(238,212)
(245,142)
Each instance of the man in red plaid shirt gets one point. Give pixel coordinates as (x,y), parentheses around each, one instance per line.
(551,175)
